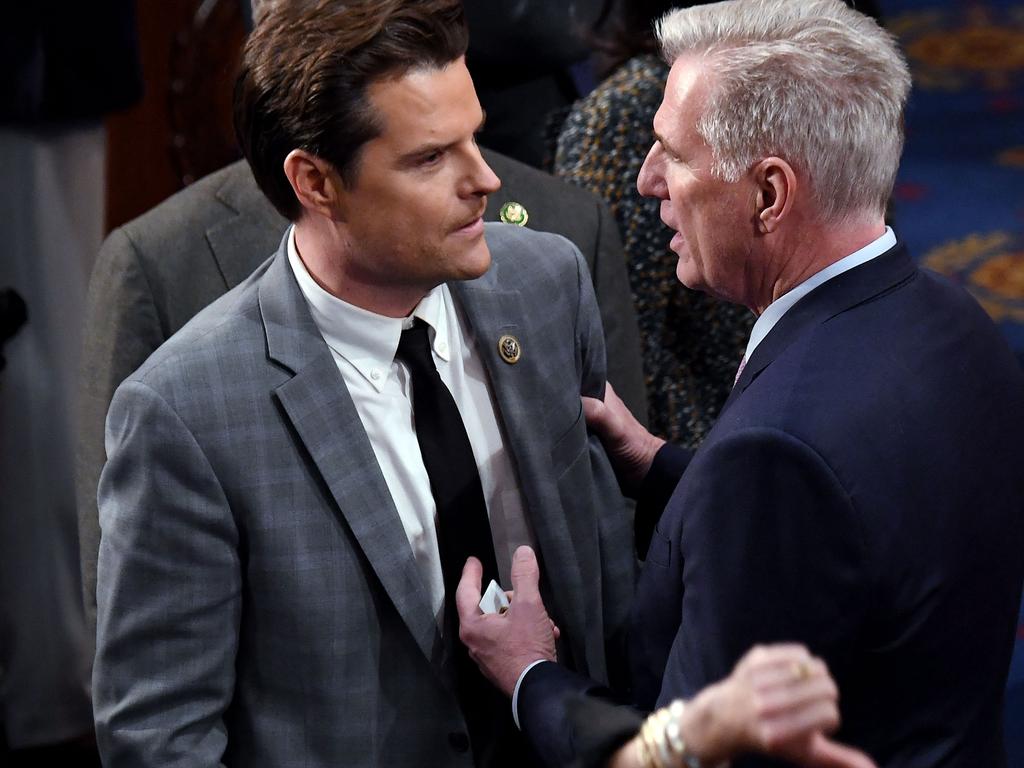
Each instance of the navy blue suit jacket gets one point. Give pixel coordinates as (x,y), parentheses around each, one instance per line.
(862,492)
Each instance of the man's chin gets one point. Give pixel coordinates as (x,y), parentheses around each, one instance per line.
(688,276)
(475,261)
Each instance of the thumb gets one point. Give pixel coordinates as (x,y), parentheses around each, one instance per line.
(602,415)
(594,411)
(825,753)
(467,594)
(525,575)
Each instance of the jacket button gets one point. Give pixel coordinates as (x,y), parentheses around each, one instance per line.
(459,741)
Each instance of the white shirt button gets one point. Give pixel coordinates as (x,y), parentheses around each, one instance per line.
(375,374)
(442,347)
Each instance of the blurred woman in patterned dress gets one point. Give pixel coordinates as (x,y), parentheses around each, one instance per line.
(692,343)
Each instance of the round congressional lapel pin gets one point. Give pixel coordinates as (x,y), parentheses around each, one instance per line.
(509,349)
(514,213)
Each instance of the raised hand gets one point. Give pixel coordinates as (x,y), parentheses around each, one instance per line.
(503,645)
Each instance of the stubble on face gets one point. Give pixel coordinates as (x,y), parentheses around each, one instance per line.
(412,217)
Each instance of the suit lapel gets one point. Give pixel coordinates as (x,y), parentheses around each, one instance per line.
(490,314)
(239,242)
(325,419)
(835,296)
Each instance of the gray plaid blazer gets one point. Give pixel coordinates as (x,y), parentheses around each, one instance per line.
(156,272)
(258,603)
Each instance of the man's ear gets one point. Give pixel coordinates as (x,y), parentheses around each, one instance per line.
(315,182)
(776,193)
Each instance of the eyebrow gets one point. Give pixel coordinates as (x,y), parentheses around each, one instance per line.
(426,149)
(661,140)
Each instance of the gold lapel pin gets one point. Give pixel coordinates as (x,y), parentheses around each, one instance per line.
(514,213)
(509,349)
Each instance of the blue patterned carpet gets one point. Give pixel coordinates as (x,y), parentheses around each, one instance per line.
(959,200)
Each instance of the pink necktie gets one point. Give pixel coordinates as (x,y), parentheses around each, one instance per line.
(739,371)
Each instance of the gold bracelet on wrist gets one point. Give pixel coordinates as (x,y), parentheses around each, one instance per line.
(661,743)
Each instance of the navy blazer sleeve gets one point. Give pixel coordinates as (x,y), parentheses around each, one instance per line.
(569,719)
(660,482)
(765,527)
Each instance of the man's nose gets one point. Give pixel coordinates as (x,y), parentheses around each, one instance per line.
(650,182)
(484,180)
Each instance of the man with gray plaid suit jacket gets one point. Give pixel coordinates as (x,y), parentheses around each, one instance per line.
(269,587)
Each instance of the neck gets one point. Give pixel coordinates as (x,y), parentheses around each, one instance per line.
(808,250)
(323,252)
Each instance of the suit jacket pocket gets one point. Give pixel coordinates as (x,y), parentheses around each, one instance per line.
(660,550)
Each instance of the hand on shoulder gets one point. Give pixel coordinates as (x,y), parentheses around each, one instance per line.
(631,448)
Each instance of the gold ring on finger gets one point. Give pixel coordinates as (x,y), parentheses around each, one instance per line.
(801,670)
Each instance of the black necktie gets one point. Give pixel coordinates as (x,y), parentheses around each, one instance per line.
(463,529)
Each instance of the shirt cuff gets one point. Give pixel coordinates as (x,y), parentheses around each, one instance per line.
(515,691)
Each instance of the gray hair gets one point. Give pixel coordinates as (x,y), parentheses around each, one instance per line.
(811,81)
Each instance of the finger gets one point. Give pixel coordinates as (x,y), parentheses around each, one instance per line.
(525,575)
(790,700)
(796,681)
(467,594)
(595,413)
(601,415)
(774,676)
(801,724)
(825,753)
(772,668)
(775,655)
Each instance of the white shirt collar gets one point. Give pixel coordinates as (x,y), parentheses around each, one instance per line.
(784,303)
(367,340)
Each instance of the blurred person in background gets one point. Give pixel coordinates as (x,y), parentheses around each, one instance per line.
(530,61)
(691,341)
(62,68)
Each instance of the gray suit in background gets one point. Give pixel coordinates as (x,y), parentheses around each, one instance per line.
(259,602)
(156,272)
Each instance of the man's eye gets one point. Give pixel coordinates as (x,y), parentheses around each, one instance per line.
(666,151)
(431,158)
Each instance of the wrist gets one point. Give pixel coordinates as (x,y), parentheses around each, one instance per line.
(707,726)
(654,444)
(675,736)
(518,685)
(639,463)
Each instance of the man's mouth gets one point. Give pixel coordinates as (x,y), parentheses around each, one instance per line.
(471,224)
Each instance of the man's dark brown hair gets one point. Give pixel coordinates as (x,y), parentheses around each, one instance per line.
(306,69)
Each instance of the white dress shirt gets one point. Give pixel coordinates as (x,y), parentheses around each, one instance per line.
(363,345)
